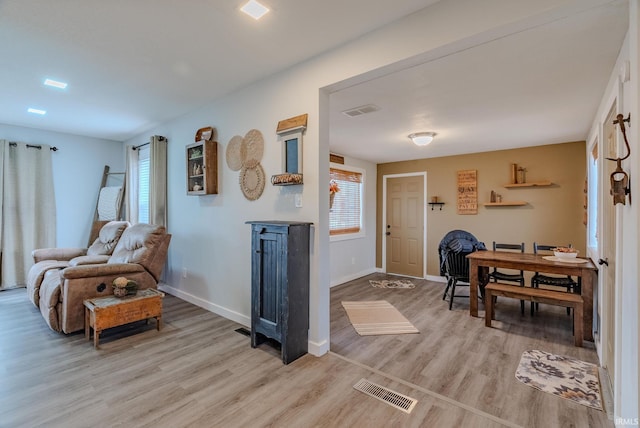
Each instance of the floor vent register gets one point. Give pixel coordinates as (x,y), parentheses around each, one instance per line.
(395,399)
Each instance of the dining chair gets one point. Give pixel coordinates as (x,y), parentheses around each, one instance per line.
(538,279)
(497,275)
(456,269)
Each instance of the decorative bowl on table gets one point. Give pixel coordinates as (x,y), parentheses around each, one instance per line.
(565,252)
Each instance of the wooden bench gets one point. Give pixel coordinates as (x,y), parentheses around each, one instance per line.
(538,295)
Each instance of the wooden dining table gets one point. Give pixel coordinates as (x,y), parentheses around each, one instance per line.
(481,261)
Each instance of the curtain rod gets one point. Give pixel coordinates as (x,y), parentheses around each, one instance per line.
(159,137)
(31,146)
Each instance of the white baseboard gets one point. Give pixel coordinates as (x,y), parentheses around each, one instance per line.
(318,349)
(353,276)
(315,348)
(211,307)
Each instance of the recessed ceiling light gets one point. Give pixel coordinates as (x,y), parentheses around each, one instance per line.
(254,9)
(55,83)
(36,111)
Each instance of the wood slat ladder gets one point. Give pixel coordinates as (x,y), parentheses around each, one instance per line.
(97,223)
(538,295)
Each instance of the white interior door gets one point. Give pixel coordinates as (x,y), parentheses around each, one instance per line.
(405,226)
(608,238)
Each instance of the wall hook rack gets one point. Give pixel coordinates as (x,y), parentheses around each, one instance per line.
(619,178)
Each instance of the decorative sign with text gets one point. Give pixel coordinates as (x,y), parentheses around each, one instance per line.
(468,192)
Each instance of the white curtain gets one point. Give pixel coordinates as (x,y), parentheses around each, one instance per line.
(157,182)
(28,215)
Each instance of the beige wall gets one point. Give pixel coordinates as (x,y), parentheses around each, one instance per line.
(553,215)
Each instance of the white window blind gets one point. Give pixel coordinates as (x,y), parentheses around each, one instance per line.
(345,216)
(143,184)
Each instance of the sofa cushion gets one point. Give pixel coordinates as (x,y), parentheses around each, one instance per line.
(134,244)
(108,238)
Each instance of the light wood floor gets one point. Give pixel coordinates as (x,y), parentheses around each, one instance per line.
(199,372)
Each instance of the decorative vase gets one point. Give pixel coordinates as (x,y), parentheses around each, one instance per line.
(514,173)
(119,291)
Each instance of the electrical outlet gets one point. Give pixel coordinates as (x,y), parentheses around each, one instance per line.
(184,272)
(298,198)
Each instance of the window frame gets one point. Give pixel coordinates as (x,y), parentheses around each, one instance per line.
(362,232)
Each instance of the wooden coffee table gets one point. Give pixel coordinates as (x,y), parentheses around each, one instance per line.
(102,313)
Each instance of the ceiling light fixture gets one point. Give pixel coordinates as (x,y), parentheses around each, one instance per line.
(254,9)
(36,111)
(55,83)
(422,138)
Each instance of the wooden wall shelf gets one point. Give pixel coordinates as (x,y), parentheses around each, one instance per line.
(202,168)
(505,204)
(433,204)
(286,179)
(544,183)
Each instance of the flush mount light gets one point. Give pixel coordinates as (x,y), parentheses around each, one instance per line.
(36,111)
(422,138)
(55,83)
(254,9)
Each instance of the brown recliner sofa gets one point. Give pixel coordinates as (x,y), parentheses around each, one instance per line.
(139,255)
(46,259)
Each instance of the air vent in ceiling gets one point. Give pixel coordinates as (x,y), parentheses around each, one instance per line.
(357,111)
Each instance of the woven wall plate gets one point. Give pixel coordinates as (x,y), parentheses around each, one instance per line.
(253,147)
(252,182)
(233,153)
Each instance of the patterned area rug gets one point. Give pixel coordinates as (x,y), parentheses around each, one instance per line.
(566,377)
(377,317)
(389,283)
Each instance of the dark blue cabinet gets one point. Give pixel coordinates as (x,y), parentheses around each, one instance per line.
(280,285)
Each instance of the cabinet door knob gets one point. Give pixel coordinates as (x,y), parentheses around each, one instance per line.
(258,251)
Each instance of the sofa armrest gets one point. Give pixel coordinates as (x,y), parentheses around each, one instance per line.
(57,254)
(105,269)
(89,260)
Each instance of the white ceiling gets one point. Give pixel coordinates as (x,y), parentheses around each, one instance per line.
(534,87)
(134,64)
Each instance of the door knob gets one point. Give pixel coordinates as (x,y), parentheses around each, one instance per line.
(388,233)
(603,262)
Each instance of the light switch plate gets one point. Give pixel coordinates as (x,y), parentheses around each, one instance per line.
(298,198)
